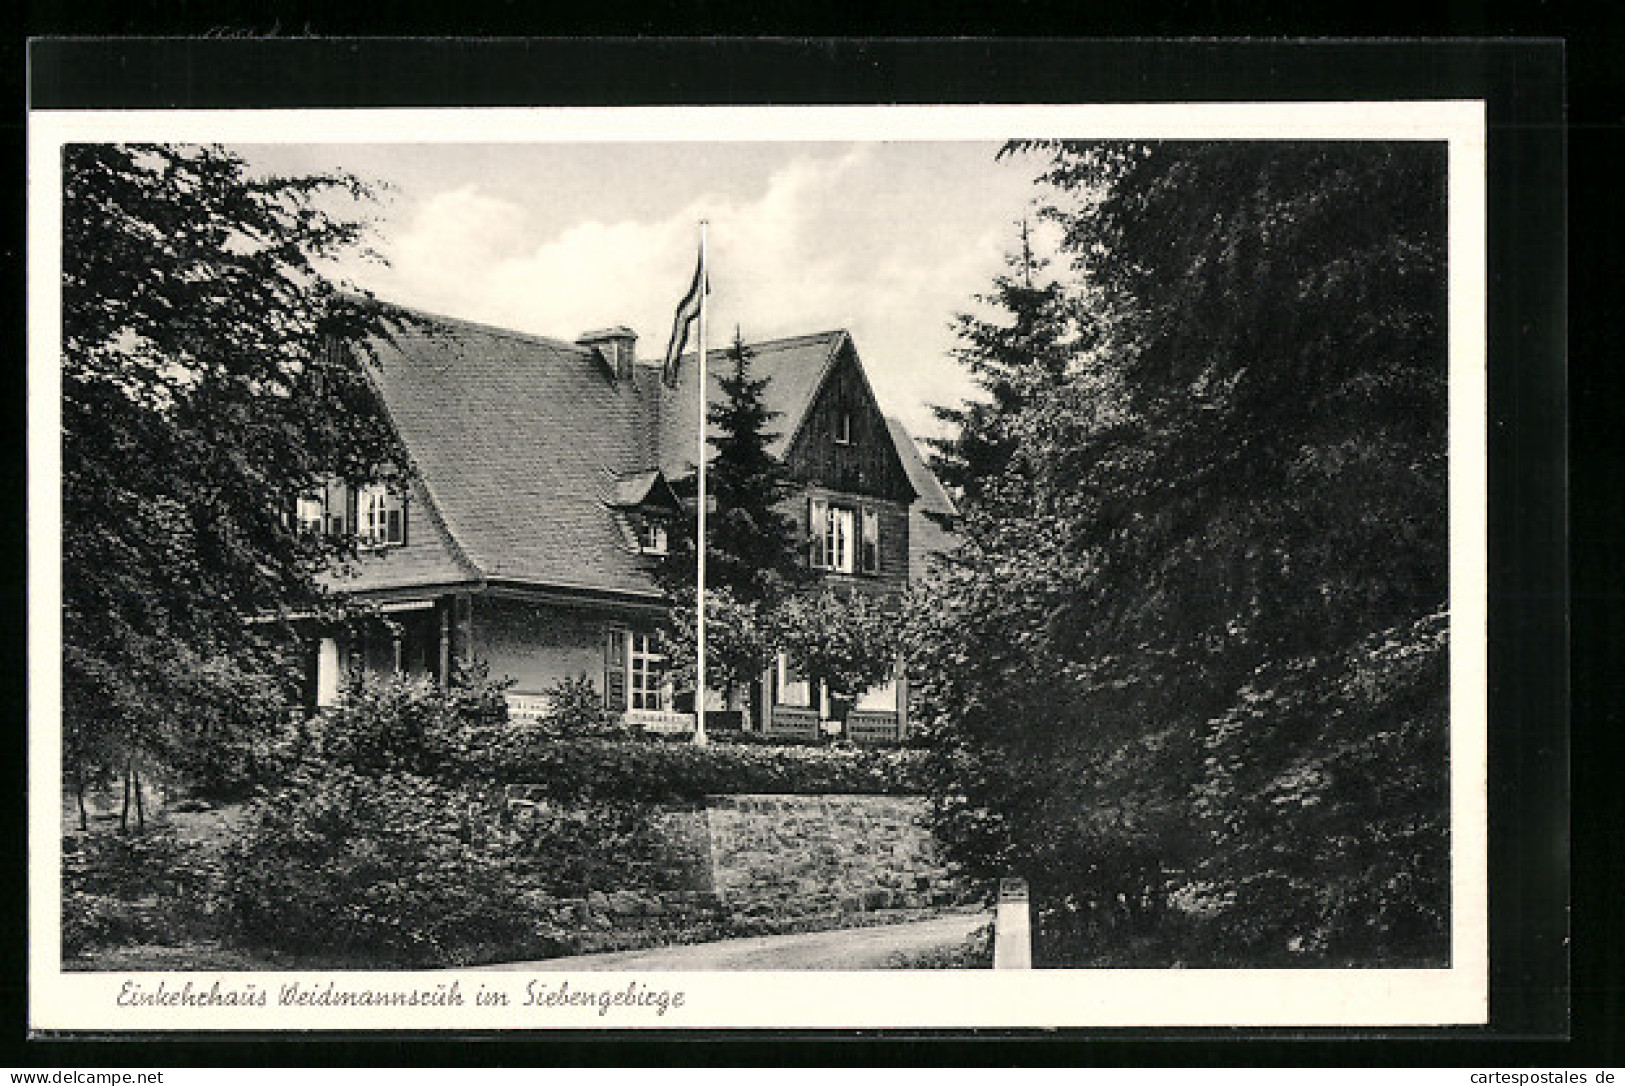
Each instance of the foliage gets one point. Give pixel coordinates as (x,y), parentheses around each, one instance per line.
(576,708)
(738,640)
(601,770)
(231,739)
(752,557)
(849,641)
(611,844)
(200,391)
(392,865)
(130,888)
(1325,792)
(1016,360)
(1239,480)
(975,952)
(398,723)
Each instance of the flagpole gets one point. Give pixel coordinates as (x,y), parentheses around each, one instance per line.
(699,632)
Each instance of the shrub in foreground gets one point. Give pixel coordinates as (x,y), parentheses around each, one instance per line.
(394,867)
(122,889)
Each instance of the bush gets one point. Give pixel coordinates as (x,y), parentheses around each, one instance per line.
(975,952)
(409,724)
(571,849)
(394,867)
(656,772)
(230,744)
(1326,797)
(131,888)
(576,709)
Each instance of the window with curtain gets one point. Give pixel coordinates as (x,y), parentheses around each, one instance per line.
(380,516)
(845,538)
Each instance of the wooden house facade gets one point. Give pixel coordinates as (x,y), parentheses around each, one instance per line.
(531,535)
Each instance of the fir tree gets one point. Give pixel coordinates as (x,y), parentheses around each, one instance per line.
(750,547)
(1189,672)
(1020,355)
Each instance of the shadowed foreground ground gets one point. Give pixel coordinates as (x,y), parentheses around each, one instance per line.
(848,948)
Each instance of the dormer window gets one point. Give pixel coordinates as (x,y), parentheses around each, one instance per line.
(651,533)
(645,504)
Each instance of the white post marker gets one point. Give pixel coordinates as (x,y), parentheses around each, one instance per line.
(1012,927)
(699,606)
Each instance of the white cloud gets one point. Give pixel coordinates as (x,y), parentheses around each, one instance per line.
(826,242)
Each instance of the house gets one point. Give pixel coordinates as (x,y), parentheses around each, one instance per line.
(531,535)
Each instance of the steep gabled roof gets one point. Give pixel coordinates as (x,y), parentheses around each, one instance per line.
(795,368)
(933,499)
(529,452)
(522,443)
(929,516)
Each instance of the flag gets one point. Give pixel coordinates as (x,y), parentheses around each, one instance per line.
(688,311)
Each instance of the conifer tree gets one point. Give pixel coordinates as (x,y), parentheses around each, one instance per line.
(1188,674)
(1019,355)
(750,546)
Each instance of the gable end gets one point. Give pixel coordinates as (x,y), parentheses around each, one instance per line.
(842,441)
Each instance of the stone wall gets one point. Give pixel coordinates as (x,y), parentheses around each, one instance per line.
(779,857)
(754,864)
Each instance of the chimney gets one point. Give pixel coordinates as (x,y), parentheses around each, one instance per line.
(615,347)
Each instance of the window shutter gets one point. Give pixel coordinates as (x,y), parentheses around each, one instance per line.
(405,505)
(351,524)
(615,672)
(871,539)
(817,528)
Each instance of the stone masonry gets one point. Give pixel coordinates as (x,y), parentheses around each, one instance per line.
(776,857)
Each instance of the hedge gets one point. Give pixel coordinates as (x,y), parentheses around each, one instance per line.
(656,772)
(401,724)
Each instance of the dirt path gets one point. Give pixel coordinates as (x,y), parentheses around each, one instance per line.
(848,948)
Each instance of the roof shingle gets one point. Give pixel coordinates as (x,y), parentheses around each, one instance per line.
(525,447)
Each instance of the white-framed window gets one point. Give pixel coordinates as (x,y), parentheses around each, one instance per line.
(843,427)
(310,513)
(844,538)
(652,538)
(646,678)
(838,540)
(380,516)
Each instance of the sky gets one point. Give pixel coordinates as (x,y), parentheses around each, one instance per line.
(888,240)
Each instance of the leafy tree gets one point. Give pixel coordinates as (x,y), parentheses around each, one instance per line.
(1151,677)
(846,641)
(738,641)
(201,390)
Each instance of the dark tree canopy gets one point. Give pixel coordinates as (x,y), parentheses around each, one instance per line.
(1188,673)
(202,388)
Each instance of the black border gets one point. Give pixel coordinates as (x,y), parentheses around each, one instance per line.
(1522,83)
